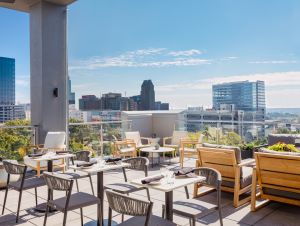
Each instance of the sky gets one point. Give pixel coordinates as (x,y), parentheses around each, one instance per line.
(183,46)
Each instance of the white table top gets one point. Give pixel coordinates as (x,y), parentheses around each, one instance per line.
(179,182)
(161,149)
(52,157)
(100,168)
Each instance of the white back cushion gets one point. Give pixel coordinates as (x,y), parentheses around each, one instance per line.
(55,140)
(177,136)
(200,140)
(135,136)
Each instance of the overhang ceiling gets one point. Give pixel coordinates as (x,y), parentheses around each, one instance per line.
(24,5)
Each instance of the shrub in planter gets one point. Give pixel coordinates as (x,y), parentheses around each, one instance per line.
(283,147)
(247,150)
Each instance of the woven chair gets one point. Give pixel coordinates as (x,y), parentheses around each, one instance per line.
(70,202)
(80,156)
(137,163)
(21,185)
(139,209)
(195,208)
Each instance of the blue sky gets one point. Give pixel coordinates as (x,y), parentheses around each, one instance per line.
(183,46)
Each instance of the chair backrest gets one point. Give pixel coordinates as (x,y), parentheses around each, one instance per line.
(59,182)
(83,156)
(278,172)
(138,163)
(129,206)
(200,140)
(55,140)
(135,136)
(178,136)
(223,160)
(14,168)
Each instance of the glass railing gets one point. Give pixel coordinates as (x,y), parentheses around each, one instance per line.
(96,136)
(14,140)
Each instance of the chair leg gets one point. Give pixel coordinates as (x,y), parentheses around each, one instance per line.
(5,197)
(77,187)
(190,221)
(148,194)
(91,182)
(163,212)
(46,214)
(35,194)
(220,216)
(81,216)
(65,217)
(19,205)
(109,216)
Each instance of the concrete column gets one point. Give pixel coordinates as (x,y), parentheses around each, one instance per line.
(48,67)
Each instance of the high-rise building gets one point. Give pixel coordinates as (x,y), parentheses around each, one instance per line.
(70,93)
(111,101)
(147,95)
(135,103)
(245,95)
(90,102)
(7,81)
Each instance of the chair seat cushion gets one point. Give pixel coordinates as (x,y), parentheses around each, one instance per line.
(171,146)
(281,193)
(246,178)
(29,183)
(123,187)
(191,150)
(77,200)
(76,175)
(43,164)
(192,207)
(154,221)
(125,150)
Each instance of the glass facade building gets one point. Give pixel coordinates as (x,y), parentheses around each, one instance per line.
(246,96)
(7,81)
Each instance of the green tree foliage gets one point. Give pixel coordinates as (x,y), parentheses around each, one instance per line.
(12,139)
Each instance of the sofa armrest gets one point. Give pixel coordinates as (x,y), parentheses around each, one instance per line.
(247,162)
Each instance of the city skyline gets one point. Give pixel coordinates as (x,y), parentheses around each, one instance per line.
(184,49)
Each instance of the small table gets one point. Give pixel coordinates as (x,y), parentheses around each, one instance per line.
(50,159)
(168,189)
(152,150)
(99,169)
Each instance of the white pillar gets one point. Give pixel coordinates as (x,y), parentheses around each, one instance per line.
(48,67)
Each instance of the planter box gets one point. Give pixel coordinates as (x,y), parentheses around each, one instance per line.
(247,154)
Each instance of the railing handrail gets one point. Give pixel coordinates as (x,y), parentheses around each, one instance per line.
(15,127)
(98,123)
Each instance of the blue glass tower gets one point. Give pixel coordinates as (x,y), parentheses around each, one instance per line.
(7,81)
(247,96)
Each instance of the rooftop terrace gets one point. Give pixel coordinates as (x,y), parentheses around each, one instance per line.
(272,214)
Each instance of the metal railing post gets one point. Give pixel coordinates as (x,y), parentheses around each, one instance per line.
(101,139)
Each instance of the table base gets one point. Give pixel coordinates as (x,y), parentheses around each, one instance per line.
(95,223)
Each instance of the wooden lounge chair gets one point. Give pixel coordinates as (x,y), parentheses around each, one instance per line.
(236,176)
(54,141)
(189,148)
(175,140)
(278,177)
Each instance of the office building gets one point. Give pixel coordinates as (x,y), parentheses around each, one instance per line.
(70,93)
(245,95)
(161,106)
(111,101)
(90,102)
(7,81)
(147,95)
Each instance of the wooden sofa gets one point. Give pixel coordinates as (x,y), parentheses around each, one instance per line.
(278,178)
(236,175)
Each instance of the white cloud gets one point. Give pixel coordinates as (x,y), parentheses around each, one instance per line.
(274,62)
(185,52)
(153,57)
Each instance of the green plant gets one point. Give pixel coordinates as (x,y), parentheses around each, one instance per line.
(283,147)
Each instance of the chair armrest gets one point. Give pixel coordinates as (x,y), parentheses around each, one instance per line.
(165,139)
(125,142)
(247,162)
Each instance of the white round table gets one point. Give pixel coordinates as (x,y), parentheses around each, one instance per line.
(152,151)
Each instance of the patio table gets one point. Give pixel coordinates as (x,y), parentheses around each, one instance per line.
(168,188)
(99,169)
(152,151)
(49,158)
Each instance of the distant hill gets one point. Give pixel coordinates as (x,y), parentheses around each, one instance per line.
(284,110)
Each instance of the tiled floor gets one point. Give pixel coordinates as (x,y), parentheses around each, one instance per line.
(272,214)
